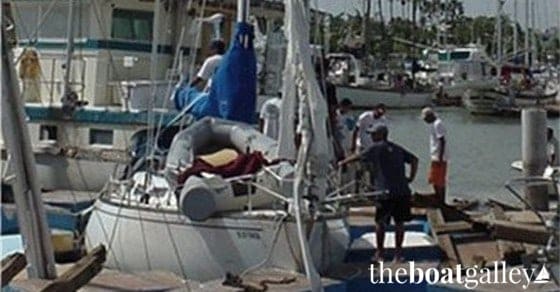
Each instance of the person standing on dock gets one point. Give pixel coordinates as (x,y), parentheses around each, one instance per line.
(361,139)
(438,153)
(345,124)
(552,148)
(389,159)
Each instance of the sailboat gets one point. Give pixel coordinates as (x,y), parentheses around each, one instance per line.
(515,86)
(365,91)
(203,224)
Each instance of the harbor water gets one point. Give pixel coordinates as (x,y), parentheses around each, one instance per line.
(481,150)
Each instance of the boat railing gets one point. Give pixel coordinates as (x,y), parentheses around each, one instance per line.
(352,197)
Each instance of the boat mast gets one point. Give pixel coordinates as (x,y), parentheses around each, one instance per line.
(534,54)
(499,38)
(30,210)
(515,27)
(365,33)
(242,10)
(68,96)
(527,52)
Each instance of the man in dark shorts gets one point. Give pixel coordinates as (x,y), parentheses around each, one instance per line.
(389,160)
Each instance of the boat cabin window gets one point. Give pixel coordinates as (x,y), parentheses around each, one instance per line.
(100,137)
(132,25)
(454,56)
(47,132)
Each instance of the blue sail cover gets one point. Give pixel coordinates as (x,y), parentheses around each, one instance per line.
(233,91)
(234,86)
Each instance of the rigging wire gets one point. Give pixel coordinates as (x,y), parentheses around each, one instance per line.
(44,17)
(279,222)
(168,92)
(17,13)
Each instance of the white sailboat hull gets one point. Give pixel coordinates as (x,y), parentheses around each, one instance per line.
(151,239)
(492,100)
(59,172)
(369,97)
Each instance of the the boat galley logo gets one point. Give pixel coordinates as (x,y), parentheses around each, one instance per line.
(470,277)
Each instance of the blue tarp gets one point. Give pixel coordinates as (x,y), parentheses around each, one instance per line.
(233,92)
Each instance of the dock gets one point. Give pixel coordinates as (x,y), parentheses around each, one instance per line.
(436,237)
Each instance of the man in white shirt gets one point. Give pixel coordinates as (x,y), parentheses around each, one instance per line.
(552,148)
(361,139)
(203,79)
(438,153)
(345,124)
(269,117)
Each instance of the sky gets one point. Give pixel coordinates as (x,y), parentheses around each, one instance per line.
(547,12)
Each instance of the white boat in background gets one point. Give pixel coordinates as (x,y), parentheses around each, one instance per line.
(367,97)
(481,101)
(122,78)
(81,50)
(511,95)
(548,172)
(365,92)
(460,69)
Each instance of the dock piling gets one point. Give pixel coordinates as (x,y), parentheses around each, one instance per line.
(533,148)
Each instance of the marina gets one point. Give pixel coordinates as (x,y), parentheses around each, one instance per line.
(269,145)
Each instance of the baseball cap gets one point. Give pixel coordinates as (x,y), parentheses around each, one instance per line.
(426,111)
(377,128)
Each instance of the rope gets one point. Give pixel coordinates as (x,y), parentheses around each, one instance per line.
(197,40)
(168,90)
(42,20)
(144,242)
(154,55)
(237,282)
(175,246)
(18,15)
(269,253)
(105,35)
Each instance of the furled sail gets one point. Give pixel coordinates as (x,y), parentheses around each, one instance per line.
(233,91)
(304,113)
(234,87)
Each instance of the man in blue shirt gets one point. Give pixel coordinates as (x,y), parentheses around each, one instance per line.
(389,161)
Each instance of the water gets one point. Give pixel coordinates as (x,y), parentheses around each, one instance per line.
(481,150)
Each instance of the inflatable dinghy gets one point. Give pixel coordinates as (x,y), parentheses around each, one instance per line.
(207,192)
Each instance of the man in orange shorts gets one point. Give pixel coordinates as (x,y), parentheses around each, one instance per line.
(438,153)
